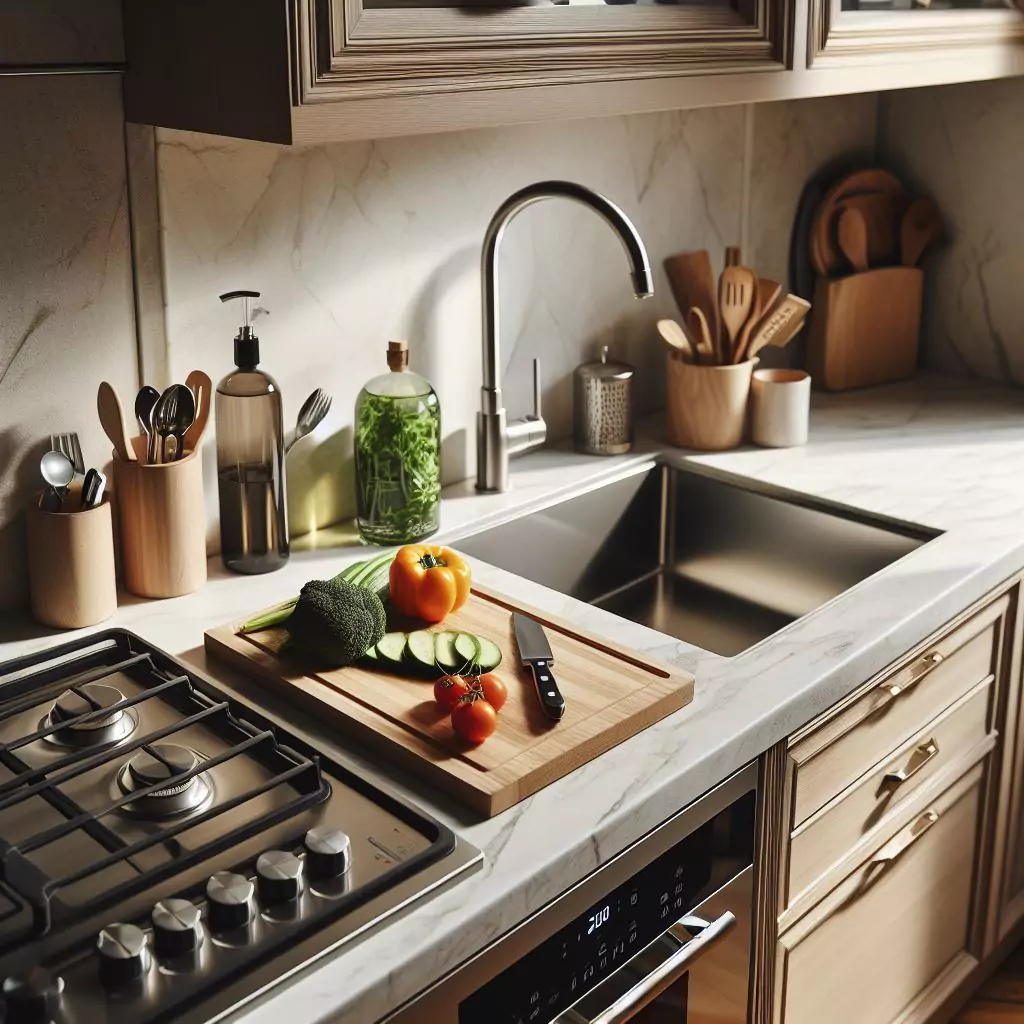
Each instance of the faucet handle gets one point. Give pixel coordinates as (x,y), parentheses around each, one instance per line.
(536,390)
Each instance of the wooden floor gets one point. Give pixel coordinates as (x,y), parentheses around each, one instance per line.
(1001,999)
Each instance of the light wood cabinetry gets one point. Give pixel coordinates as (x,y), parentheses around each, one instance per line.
(308,71)
(900,835)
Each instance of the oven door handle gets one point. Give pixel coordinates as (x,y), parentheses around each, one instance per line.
(705,935)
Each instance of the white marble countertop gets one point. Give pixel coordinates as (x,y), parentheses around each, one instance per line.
(947,453)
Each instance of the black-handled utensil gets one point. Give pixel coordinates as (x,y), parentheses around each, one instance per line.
(535,652)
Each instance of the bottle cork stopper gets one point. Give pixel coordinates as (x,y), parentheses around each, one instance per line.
(398,355)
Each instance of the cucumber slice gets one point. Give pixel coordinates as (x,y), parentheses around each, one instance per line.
(444,651)
(419,649)
(468,649)
(489,657)
(370,654)
(391,649)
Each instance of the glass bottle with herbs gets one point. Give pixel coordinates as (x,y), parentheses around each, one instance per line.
(398,455)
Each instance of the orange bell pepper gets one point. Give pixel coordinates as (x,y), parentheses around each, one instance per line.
(428,582)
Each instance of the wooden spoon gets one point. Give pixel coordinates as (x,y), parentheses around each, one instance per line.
(737,288)
(779,328)
(920,229)
(675,336)
(693,284)
(108,405)
(702,334)
(853,238)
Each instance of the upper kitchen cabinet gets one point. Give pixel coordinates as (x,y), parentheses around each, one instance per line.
(60,35)
(314,70)
(985,36)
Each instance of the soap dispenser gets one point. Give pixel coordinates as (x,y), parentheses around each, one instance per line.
(250,456)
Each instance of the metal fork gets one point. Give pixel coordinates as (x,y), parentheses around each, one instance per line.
(69,445)
(313,410)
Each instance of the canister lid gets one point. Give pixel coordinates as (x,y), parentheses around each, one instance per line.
(605,368)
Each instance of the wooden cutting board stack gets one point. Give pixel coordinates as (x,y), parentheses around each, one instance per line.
(611,694)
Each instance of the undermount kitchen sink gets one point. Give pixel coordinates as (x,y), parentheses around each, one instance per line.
(719,564)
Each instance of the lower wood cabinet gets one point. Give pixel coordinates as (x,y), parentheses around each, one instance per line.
(899,933)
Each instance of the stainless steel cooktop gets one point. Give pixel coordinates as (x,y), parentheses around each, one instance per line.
(167,854)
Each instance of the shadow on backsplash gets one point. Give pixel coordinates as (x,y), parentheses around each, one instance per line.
(321,482)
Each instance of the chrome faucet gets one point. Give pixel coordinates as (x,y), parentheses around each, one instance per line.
(497,439)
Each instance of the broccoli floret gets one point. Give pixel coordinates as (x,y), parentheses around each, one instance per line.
(336,622)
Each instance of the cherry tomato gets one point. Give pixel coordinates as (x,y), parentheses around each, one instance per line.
(473,719)
(494,690)
(449,689)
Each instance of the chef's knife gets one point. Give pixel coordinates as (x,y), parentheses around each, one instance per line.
(535,652)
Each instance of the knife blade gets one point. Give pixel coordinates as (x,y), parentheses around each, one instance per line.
(535,653)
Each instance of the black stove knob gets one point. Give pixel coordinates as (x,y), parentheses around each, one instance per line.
(230,901)
(328,852)
(279,877)
(31,998)
(124,957)
(177,927)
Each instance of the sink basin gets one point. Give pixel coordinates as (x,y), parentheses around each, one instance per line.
(717,563)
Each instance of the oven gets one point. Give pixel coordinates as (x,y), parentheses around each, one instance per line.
(661,933)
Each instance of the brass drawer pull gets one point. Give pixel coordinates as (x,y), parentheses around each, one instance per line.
(918,671)
(893,850)
(922,754)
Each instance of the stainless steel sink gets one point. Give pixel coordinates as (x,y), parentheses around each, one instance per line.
(717,563)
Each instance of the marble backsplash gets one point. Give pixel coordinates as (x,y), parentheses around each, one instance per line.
(66,308)
(354,244)
(963,145)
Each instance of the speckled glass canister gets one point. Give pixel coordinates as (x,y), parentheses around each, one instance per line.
(603,407)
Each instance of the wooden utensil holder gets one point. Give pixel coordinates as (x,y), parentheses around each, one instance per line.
(162,519)
(706,406)
(71,564)
(865,328)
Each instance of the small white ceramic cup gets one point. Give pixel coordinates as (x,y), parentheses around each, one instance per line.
(782,403)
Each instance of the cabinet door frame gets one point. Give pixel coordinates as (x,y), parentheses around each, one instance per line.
(345,51)
(838,38)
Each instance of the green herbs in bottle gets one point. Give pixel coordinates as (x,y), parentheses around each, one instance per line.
(398,455)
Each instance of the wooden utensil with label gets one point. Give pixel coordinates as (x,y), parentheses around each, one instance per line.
(779,328)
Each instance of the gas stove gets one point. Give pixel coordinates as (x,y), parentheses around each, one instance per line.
(166,854)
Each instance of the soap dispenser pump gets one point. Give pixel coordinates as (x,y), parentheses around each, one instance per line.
(250,456)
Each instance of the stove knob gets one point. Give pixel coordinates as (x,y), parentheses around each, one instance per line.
(176,927)
(328,852)
(32,998)
(123,954)
(230,901)
(279,877)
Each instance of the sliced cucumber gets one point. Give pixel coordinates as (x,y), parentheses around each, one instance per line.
(419,649)
(468,649)
(391,649)
(444,651)
(370,654)
(489,657)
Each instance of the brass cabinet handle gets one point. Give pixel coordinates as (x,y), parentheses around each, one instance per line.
(922,754)
(918,671)
(894,849)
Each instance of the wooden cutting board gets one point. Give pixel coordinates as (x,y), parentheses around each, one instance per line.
(611,693)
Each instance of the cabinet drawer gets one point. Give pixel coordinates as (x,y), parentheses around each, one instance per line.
(897,930)
(832,832)
(871,724)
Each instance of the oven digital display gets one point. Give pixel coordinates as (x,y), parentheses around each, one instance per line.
(579,957)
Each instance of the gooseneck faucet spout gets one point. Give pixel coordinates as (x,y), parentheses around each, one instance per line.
(496,439)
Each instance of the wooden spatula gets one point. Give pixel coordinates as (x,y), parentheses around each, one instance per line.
(920,229)
(766,297)
(778,328)
(108,405)
(202,387)
(693,284)
(737,288)
(853,238)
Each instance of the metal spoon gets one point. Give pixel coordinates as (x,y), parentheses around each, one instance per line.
(145,402)
(58,472)
(173,414)
(313,410)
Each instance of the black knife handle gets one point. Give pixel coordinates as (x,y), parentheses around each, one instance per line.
(551,699)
